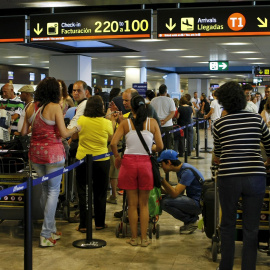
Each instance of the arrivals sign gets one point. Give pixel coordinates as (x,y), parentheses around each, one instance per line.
(218,65)
(213,22)
(91,25)
(262,72)
(12,29)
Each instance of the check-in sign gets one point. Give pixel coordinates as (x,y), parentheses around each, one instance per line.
(12,29)
(91,25)
(213,22)
(218,65)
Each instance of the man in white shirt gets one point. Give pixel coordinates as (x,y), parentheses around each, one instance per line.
(251,107)
(215,111)
(165,108)
(196,103)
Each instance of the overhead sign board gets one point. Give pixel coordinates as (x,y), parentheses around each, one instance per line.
(91,25)
(213,22)
(218,65)
(141,88)
(262,71)
(12,29)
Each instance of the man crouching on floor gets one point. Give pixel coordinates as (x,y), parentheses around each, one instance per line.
(183,207)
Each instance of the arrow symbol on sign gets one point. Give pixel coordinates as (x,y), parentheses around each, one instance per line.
(170,26)
(263,23)
(38,31)
(223,65)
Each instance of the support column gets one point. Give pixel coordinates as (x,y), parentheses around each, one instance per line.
(172,82)
(194,85)
(205,87)
(71,68)
(135,75)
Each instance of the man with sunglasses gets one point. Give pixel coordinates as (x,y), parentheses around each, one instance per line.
(183,207)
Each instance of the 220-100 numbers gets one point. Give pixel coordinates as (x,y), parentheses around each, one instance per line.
(113,26)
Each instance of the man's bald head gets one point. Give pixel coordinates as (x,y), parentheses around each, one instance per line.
(127,96)
(8,91)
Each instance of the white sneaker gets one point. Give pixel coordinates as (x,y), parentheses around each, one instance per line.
(189,228)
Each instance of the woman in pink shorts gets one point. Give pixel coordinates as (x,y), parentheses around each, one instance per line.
(135,175)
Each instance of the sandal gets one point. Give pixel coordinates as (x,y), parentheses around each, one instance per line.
(56,235)
(101,228)
(82,230)
(132,241)
(44,242)
(145,243)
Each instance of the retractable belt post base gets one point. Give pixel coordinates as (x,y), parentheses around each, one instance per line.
(89,242)
(205,149)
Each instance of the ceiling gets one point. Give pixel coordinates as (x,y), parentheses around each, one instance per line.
(147,54)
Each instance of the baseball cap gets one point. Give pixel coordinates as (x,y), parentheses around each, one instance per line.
(168,154)
(27,89)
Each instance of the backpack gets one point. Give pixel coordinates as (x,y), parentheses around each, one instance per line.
(206,107)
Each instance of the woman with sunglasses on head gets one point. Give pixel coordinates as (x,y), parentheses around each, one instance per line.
(46,151)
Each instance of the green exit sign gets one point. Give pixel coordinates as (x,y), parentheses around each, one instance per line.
(218,65)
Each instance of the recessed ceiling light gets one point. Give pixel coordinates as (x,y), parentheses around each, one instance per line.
(22,64)
(227,78)
(258,63)
(202,62)
(190,56)
(252,58)
(234,43)
(118,71)
(53,4)
(245,52)
(130,67)
(173,50)
(44,62)
(240,75)
(147,60)
(213,76)
(131,56)
(15,57)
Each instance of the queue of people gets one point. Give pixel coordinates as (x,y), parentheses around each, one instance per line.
(92,129)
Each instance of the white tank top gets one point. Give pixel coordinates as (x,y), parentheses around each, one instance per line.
(133,143)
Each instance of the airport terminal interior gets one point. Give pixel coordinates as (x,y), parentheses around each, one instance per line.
(158,52)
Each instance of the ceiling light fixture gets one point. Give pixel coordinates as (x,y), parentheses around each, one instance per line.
(147,60)
(131,56)
(42,4)
(190,56)
(148,40)
(173,50)
(245,52)
(22,64)
(234,43)
(15,57)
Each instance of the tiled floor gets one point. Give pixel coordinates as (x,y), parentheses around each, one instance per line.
(170,251)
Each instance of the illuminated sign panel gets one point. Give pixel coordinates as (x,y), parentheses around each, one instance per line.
(262,72)
(12,29)
(218,65)
(93,25)
(213,22)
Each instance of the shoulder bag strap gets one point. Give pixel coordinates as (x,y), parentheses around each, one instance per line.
(141,138)
(35,114)
(196,175)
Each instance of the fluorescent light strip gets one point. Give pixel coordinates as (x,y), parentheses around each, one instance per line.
(173,50)
(234,43)
(15,57)
(245,52)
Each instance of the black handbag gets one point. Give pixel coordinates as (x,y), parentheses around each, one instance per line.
(155,167)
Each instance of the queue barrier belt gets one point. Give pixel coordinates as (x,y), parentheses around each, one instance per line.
(37,181)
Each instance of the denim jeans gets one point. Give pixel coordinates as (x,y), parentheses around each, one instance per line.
(49,196)
(182,208)
(252,190)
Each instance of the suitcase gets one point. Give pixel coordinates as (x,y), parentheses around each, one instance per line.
(208,211)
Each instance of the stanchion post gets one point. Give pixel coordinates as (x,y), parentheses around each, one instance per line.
(89,189)
(185,143)
(206,139)
(197,141)
(167,139)
(89,242)
(28,252)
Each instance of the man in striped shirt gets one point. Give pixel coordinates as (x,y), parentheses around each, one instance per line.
(237,138)
(12,104)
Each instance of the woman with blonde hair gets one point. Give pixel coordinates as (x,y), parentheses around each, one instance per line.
(65,100)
